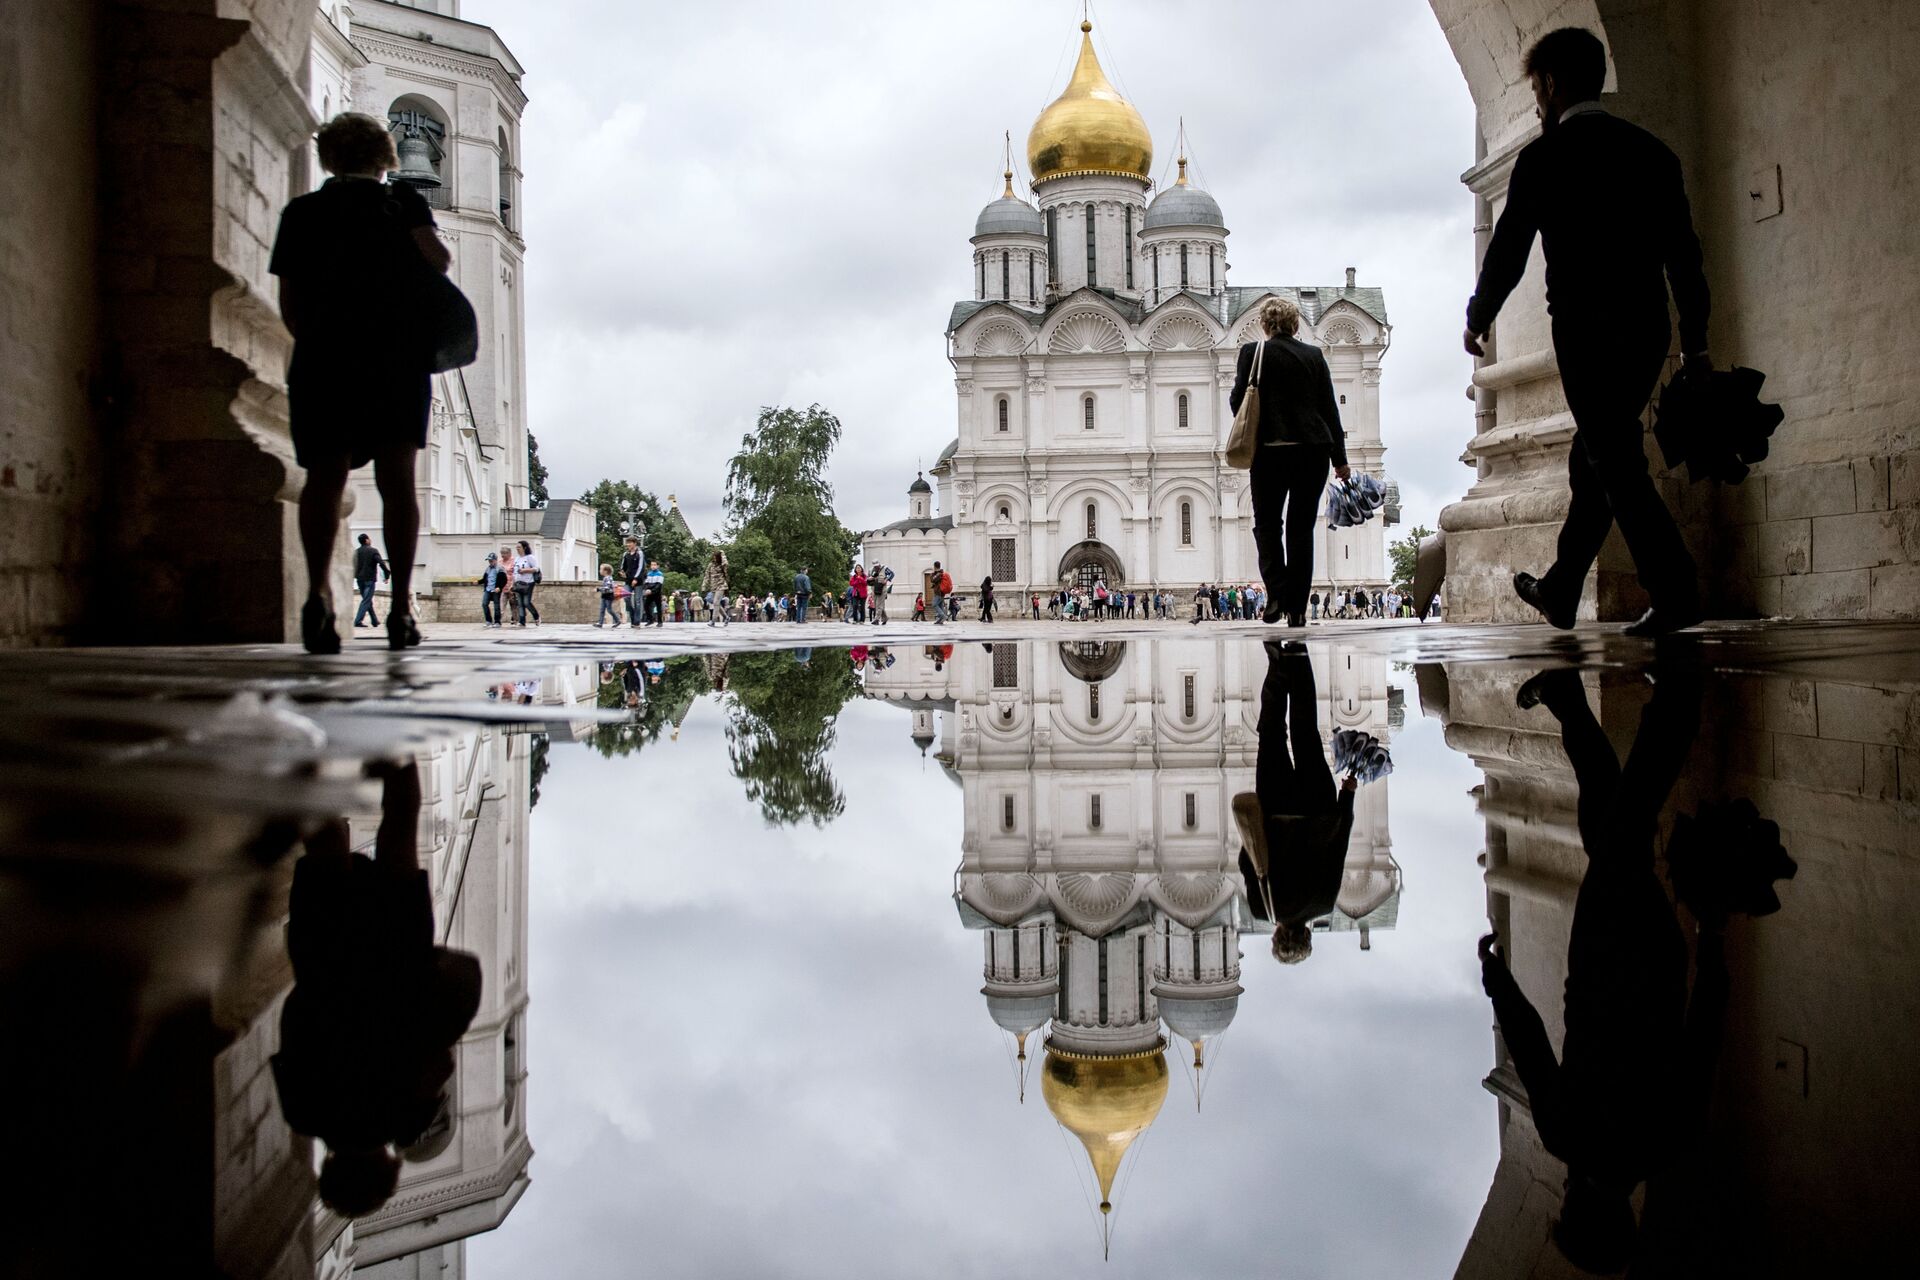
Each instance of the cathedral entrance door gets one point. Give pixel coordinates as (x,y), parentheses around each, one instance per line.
(1088,562)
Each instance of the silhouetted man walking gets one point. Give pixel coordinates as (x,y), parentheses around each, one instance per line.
(1609,204)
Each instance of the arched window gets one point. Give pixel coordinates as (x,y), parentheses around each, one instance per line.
(1006,513)
(1093,522)
(1183,266)
(1093,266)
(420,136)
(1187,701)
(1006,813)
(1186,524)
(1093,801)
(1181,405)
(1093,717)
(506,183)
(1003,411)
(1192,816)
(981,290)
(1006,270)
(1086,412)
(1030,289)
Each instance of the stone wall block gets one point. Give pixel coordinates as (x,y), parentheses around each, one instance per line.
(1894,592)
(1766,596)
(1860,541)
(1903,479)
(1780,547)
(1872,484)
(1819,764)
(1790,706)
(1811,491)
(1860,713)
(1882,774)
(1827,595)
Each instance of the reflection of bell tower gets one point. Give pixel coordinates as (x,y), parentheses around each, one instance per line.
(920,498)
(1023,980)
(923,728)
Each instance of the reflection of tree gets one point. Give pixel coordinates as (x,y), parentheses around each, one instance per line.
(780,731)
(536,767)
(661,706)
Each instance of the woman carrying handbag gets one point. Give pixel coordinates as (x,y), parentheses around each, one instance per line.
(1286,432)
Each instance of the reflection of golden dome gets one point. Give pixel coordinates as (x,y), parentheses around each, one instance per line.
(1106,1103)
(1090,128)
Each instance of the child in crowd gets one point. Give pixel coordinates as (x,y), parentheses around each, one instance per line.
(607,609)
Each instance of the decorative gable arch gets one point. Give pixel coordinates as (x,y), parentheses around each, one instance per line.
(1086,332)
(1000,338)
(1183,331)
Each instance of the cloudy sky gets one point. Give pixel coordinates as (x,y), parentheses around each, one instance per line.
(758,1052)
(730,206)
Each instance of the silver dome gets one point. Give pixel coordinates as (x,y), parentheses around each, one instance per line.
(1021,1015)
(1180,206)
(1009,216)
(1196,1019)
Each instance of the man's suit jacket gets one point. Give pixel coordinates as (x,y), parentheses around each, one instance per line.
(1297,403)
(1610,206)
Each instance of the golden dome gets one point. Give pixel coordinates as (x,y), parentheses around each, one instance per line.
(1090,128)
(1106,1103)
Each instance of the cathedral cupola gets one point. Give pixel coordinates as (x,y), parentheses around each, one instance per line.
(1183,242)
(1091,158)
(1010,249)
(1089,128)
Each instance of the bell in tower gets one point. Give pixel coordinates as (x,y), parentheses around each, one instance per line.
(418,148)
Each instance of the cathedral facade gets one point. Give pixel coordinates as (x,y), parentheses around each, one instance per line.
(1092,370)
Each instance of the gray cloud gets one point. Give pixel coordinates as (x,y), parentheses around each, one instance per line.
(757,203)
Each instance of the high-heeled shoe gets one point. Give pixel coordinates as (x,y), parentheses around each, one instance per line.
(402,631)
(317,631)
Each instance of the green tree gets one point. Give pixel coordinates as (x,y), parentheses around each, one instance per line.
(1406,554)
(666,540)
(777,487)
(780,732)
(536,474)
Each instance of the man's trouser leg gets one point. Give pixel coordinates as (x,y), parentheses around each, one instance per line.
(366,604)
(1608,381)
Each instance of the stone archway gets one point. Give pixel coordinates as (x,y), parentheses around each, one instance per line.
(1087,562)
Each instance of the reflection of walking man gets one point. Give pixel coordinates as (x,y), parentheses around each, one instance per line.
(1608,203)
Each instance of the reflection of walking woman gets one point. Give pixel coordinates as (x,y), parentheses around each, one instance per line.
(714,583)
(353,398)
(526,576)
(1300,437)
(1294,826)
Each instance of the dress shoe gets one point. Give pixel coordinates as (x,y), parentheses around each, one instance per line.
(1533,592)
(1546,686)
(1660,621)
(1296,620)
(1272,613)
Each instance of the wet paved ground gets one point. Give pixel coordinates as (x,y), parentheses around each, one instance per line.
(859,959)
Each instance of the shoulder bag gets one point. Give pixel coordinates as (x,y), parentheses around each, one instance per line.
(1243,442)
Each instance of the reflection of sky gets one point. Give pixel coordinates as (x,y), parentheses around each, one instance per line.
(764,1052)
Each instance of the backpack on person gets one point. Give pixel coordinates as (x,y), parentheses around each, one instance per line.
(946,583)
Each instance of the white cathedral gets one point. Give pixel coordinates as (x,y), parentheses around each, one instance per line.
(1099,856)
(1093,366)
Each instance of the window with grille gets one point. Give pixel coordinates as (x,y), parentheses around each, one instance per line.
(1053,246)
(1156,271)
(1030,275)
(1129,254)
(1210,278)
(1183,266)
(983,277)
(1006,274)
(1093,811)
(1086,412)
(1005,413)
(1186,524)
(1006,813)
(1181,407)
(1003,559)
(1006,666)
(1187,707)
(1193,817)
(1093,522)
(1093,703)
(1092,265)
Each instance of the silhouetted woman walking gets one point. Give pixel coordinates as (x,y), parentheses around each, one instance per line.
(344,254)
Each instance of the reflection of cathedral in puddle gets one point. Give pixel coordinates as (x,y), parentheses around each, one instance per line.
(467,1174)
(1099,854)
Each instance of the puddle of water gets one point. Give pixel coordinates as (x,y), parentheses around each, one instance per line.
(810,962)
